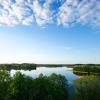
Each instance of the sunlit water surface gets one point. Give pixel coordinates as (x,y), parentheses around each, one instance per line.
(65,71)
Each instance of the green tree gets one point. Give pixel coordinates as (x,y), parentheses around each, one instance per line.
(4,84)
(22,87)
(62,83)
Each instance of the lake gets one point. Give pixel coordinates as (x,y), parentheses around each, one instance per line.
(65,71)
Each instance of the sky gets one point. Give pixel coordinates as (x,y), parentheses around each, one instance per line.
(50,31)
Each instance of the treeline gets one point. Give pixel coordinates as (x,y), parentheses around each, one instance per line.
(49,65)
(79,65)
(86,69)
(23,66)
(22,87)
(67,65)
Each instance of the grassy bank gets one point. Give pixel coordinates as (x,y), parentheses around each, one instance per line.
(88,70)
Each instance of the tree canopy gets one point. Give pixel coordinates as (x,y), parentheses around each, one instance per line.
(22,87)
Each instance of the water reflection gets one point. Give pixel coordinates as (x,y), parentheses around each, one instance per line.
(67,72)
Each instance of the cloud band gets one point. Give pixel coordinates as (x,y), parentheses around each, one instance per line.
(42,12)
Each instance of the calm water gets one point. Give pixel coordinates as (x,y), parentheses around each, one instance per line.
(65,71)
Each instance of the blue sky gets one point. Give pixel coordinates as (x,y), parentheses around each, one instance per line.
(49,31)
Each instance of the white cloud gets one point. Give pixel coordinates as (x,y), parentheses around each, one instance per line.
(84,12)
(42,13)
(28,20)
(69,12)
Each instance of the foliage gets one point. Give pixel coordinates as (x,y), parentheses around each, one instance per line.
(87,88)
(87,69)
(54,87)
(4,84)
(22,87)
